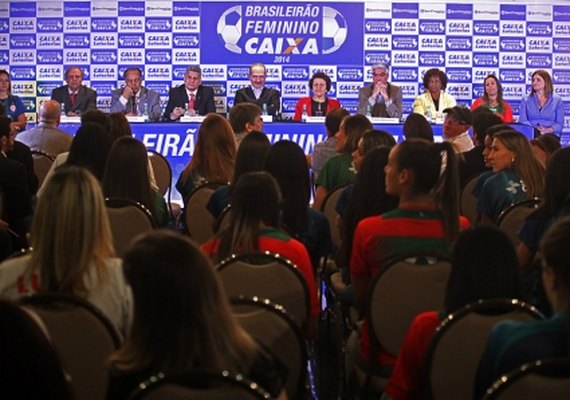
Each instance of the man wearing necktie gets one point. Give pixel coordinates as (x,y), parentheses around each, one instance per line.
(382,98)
(191,98)
(133,98)
(75,97)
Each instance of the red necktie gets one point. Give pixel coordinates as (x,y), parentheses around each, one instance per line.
(72,99)
(192,102)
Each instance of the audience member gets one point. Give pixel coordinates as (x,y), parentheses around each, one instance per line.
(518,175)
(250,157)
(543,147)
(191,98)
(244,118)
(542,109)
(427,218)
(182,320)
(417,126)
(327,148)
(73,249)
(75,97)
(135,99)
(381,98)
(254,226)
(119,126)
(213,158)
(318,104)
(46,137)
(127,176)
(456,125)
(338,170)
(484,267)
(492,99)
(266,98)
(431,103)
(12,105)
(513,343)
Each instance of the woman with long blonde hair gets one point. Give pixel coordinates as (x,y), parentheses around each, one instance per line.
(72,248)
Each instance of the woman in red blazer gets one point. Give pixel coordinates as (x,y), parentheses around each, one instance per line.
(318,104)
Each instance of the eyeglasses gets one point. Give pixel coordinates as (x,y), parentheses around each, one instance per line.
(380,74)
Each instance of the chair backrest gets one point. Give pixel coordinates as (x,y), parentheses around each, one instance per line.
(162,171)
(328,208)
(127,219)
(512,218)
(272,327)
(541,379)
(268,276)
(223,220)
(199,385)
(198,220)
(404,287)
(468,202)
(82,336)
(42,164)
(457,346)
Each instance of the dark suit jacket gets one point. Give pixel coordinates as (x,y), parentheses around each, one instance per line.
(86,98)
(269,96)
(17,197)
(471,164)
(178,96)
(22,153)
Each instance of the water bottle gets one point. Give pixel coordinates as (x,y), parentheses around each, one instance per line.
(144,110)
(368,110)
(304,115)
(264,111)
(186,111)
(62,109)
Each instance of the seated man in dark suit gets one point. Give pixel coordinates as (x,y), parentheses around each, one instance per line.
(267,99)
(192,98)
(135,99)
(75,97)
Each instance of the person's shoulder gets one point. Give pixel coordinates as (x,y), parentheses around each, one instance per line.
(206,89)
(14,265)
(89,90)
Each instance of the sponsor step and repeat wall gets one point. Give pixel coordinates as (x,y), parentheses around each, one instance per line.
(39,40)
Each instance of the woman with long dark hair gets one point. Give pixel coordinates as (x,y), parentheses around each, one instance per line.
(493,99)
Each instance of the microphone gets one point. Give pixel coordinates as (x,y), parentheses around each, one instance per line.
(133,104)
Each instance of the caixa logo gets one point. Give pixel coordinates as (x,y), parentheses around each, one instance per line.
(131,40)
(238,72)
(513,91)
(405,58)
(459,91)
(329,71)
(24,88)
(405,42)
(486,27)
(559,76)
(22,57)
(22,25)
(349,89)
(104,56)
(432,59)
(131,24)
(109,72)
(76,25)
(50,72)
(432,27)
(76,57)
(104,41)
(186,25)
(512,60)
(459,74)
(486,59)
(185,56)
(352,74)
(295,89)
(512,28)
(50,40)
(480,74)
(378,26)
(539,44)
(131,56)
(153,72)
(458,43)
(459,59)
(458,27)
(406,27)
(539,28)
(561,60)
(103,88)
(178,72)
(512,75)
(561,45)
(23,72)
(183,40)
(562,91)
(295,73)
(76,40)
(158,24)
(50,24)
(562,28)
(404,74)
(215,73)
(432,43)
(377,42)
(409,89)
(158,40)
(104,24)
(45,89)
(50,56)
(233,87)
(372,58)
(487,43)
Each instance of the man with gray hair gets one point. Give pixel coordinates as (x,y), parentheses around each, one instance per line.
(46,137)
(381,98)
(267,99)
(191,98)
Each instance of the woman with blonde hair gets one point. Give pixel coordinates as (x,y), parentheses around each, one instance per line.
(72,249)
(518,175)
(213,158)
(182,321)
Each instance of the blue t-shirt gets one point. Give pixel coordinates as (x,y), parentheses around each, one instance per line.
(499,192)
(218,201)
(533,229)
(13,106)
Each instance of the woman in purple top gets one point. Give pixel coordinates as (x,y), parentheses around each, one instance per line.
(542,109)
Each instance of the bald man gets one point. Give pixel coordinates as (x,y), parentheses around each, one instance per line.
(46,136)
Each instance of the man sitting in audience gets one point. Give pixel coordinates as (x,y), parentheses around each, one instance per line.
(456,128)
(46,137)
(244,118)
(327,148)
